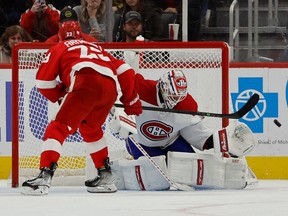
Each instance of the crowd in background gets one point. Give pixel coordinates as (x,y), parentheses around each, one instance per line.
(103,20)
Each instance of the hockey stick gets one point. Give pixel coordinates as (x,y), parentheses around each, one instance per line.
(239,114)
(178,186)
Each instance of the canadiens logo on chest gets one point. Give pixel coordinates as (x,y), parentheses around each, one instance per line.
(156,130)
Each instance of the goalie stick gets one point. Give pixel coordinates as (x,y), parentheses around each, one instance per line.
(178,186)
(239,114)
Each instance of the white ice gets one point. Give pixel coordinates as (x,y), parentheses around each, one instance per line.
(269,197)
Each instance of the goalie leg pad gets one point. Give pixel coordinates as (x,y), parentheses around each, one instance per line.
(236,170)
(207,171)
(140,174)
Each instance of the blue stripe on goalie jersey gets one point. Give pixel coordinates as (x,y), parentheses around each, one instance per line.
(180,145)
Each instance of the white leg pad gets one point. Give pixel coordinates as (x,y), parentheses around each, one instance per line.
(236,171)
(140,174)
(205,170)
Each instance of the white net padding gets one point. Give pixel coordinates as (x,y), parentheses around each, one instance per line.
(202,66)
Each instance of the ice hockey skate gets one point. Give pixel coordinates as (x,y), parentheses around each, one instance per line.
(103,182)
(39,185)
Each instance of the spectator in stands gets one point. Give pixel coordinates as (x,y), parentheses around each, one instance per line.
(68,20)
(12,35)
(93,19)
(132,26)
(151,16)
(41,20)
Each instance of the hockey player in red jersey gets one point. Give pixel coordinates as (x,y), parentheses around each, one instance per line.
(175,136)
(86,92)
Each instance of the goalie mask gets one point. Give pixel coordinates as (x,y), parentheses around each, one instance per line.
(173,88)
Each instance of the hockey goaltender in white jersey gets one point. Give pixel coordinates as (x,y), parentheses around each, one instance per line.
(171,139)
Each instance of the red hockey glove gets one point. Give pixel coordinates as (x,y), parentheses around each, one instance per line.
(133,107)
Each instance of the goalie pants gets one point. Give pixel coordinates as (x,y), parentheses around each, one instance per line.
(86,106)
(179,145)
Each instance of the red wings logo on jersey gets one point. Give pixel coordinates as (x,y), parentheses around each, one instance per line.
(155,130)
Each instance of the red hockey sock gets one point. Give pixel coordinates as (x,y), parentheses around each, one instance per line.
(99,157)
(48,157)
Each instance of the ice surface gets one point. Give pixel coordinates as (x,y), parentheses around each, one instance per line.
(269,197)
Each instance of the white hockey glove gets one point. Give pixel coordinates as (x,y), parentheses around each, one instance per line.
(236,139)
(121,123)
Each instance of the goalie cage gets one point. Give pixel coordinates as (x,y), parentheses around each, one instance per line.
(205,64)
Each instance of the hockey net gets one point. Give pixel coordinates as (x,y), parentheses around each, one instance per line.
(204,63)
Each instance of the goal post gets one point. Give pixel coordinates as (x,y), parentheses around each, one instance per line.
(205,64)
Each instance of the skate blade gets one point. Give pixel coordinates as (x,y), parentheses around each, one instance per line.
(102,189)
(40,191)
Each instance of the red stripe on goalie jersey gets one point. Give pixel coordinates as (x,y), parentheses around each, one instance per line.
(127,121)
(62,58)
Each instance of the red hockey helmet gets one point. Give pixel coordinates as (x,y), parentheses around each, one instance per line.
(69,30)
(173,87)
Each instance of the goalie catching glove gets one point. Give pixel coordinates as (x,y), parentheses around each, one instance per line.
(236,139)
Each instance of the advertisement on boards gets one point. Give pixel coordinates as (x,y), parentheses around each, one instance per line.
(268,119)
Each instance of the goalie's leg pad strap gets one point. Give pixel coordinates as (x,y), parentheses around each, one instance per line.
(202,170)
(140,174)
